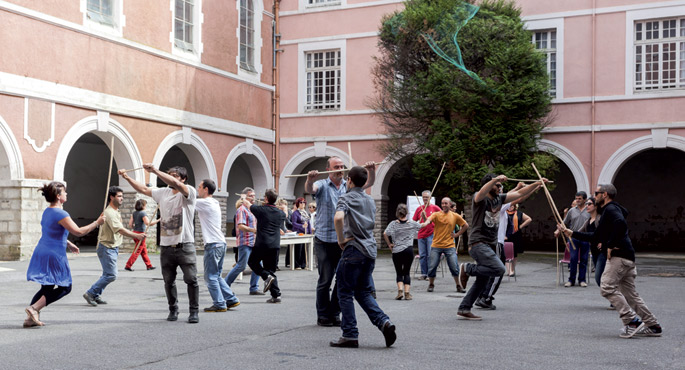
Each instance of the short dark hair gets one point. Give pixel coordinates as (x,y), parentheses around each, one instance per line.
(210,185)
(401,210)
(52,191)
(180,171)
(247,190)
(140,204)
(271,195)
(609,189)
(358,175)
(591,199)
(582,194)
(486,179)
(113,191)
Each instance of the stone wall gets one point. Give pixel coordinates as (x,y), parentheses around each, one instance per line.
(381,221)
(21,209)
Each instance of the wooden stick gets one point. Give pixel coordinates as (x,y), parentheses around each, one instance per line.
(557,277)
(437,180)
(109,178)
(349,152)
(135,169)
(423,211)
(147,227)
(326,172)
(526,180)
(557,217)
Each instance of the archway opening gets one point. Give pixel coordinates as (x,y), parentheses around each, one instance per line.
(648,186)
(318,164)
(85,173)
(399,184)
(176,156)
(239,177)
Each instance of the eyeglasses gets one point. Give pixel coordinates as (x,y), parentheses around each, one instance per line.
(599,192)
(589,204)
(498,185)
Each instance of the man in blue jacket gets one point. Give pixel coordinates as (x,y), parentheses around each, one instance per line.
(618,279)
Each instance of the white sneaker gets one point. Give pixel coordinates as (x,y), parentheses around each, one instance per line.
(631,329)
(583,284)
(568,284)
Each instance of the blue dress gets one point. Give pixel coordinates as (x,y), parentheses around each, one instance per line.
(49,264)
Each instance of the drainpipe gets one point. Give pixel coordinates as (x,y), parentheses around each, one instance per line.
(276,96)
(592,94)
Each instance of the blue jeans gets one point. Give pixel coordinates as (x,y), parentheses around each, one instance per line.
(424,251)
(327,257)
(108,260)
(450,257)
(487,265)
(600,264)
(584,248)
(213,259)
(353,279)
(243,255)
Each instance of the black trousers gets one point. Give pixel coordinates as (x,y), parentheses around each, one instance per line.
(402,261)
(494,282)
(269,259)
(52,293)
(183,256)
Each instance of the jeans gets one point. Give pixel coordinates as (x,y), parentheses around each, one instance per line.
(327,256)
(221,293)
(353,280)
(618,286)
(243,255)
(184,256)
(584,248)
(424,251)
(599,267)
(108,260)
(487,265)
(450,257)
(263,262)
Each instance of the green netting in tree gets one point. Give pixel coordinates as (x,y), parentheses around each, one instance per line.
(451,26)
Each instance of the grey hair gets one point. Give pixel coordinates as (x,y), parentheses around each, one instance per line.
(610,189)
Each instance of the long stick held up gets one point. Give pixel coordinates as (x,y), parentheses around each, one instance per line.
(109,173)
(326,172)
(147,227)
(438,179)
(555,212)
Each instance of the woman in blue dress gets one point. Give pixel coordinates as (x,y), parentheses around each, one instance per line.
(49,265)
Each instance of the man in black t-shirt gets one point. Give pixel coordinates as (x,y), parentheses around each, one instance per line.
(483,238)
(267,243)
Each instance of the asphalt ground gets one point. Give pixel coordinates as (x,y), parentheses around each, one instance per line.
(537,325)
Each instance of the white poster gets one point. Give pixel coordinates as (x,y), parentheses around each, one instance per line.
(413,204)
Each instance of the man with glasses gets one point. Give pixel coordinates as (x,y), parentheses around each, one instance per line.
(328,252)
(618,279)
(575,220)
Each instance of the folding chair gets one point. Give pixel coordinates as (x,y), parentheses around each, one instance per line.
(509,254)
(567,261)
(441,265)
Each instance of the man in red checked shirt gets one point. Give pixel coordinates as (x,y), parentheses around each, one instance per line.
(426,234)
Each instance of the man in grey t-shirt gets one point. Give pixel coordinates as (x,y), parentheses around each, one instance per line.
(580,250)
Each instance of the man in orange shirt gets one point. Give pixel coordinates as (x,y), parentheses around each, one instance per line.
(443,241)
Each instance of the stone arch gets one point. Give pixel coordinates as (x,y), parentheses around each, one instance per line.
(383,175)
(659,139)
(300,161)
(256,159)
(126,152)
(194,148)
(570,160)
(10,149)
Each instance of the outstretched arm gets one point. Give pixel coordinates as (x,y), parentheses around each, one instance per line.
(71,226)
(526,191)
(371,169)
(173,182)
(141,188)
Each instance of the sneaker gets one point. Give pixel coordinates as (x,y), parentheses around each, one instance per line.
(632,328)
(214,308)
(423,277)
(467,315)
(479,302)
(257,292)
(151,267)
(430,288)
(267,283)
(463,275)
(583,284)
(233,305)
(649,331)
(460,289)
(389,333)
(323,321)
(89,298)
(568,284)
(487,304)
(407,296)
(99,300)
(274,300)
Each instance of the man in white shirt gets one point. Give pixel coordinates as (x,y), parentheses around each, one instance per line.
(209,212)
(177,242)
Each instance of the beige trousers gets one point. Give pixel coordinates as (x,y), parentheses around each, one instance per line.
(618,286)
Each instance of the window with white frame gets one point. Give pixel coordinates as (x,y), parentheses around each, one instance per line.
(101,11)
(183,25)
(659,47)
(323,90)
(546,42)
(322,2)
(247,35)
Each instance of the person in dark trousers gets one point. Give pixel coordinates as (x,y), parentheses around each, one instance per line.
(354,222)
(618,279)
(267,243)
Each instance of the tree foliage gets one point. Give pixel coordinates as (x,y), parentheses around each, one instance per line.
(435,113)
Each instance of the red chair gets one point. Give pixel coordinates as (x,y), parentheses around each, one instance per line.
(509,254)
(567,260)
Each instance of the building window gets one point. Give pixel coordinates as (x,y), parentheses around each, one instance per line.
(183,25)
(546,42)
(247,35)
(322,69)
(659,54)
(322,2)
(101,11)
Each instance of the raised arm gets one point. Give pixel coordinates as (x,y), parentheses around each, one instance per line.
(526,191)
(309,186)
(71,226)
(168,179)
(140,188)
(485,189)
(371,169)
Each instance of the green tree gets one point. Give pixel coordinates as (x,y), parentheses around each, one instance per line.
(436,113)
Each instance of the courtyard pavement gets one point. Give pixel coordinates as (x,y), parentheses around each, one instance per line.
(537,325)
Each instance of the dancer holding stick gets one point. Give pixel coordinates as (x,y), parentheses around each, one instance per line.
(425,235)
(140,225)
